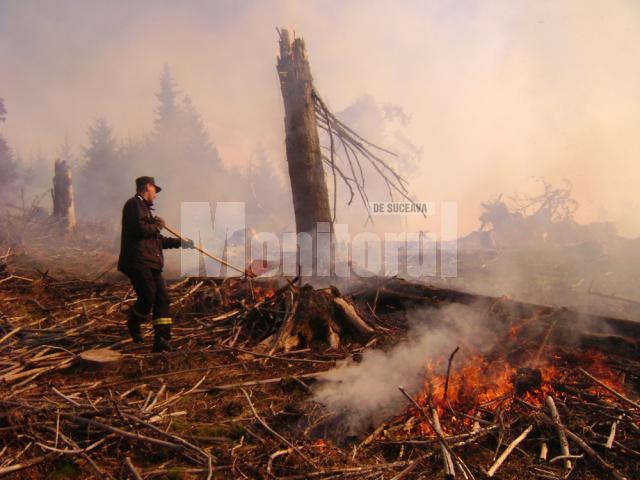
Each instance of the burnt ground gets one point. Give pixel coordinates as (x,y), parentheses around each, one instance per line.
(225,405)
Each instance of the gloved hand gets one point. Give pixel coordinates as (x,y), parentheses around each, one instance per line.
(159,222)
(188,243)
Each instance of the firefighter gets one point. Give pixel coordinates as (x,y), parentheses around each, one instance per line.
(142,261)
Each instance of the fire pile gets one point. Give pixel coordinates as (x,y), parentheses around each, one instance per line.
(235,400)
(564,410)
(488,395)
(487,383)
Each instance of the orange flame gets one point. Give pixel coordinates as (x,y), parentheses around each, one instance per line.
(485,383)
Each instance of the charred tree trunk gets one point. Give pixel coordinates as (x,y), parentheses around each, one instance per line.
(64,212)
(308,183)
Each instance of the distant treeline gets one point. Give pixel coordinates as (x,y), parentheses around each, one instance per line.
(177,152)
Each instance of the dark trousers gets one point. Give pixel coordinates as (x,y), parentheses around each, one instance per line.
(153,297)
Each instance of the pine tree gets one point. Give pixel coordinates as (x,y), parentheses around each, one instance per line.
(179,152)
(269,197)
(104,181)
(167,111)
(102,149)
(35,175)
(7,165)
(8,168)
(131,152)
(195,134)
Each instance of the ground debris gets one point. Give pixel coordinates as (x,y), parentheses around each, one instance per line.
(233,402)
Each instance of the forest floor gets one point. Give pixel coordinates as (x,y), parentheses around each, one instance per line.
(226,403)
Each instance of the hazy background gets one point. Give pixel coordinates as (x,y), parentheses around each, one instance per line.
(494,92)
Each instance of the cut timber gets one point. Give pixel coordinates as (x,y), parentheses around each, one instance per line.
(99,359)
(64,212)
(304,158)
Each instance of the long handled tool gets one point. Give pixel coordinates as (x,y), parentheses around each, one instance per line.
(211,256)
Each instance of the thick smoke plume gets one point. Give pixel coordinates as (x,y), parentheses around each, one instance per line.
(368,391)
(497,92)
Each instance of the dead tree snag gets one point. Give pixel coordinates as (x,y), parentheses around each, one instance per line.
(308,184)
(64,212)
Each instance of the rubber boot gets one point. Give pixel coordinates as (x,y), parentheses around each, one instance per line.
(133,324)
(161,338)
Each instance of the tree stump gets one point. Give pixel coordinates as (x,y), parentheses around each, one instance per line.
(319,319)
(99,359)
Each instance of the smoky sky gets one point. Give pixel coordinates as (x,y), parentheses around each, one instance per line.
(498,92)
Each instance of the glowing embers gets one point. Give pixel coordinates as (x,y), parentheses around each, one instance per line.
(263,292)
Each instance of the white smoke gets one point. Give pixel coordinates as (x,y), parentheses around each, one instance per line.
(368,391)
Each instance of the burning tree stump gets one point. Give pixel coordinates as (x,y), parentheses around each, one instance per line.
(306,173)
(64,212)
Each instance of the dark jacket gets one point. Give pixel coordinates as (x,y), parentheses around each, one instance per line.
(141,243)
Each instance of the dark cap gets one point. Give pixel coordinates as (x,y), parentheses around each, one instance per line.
(142,181)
